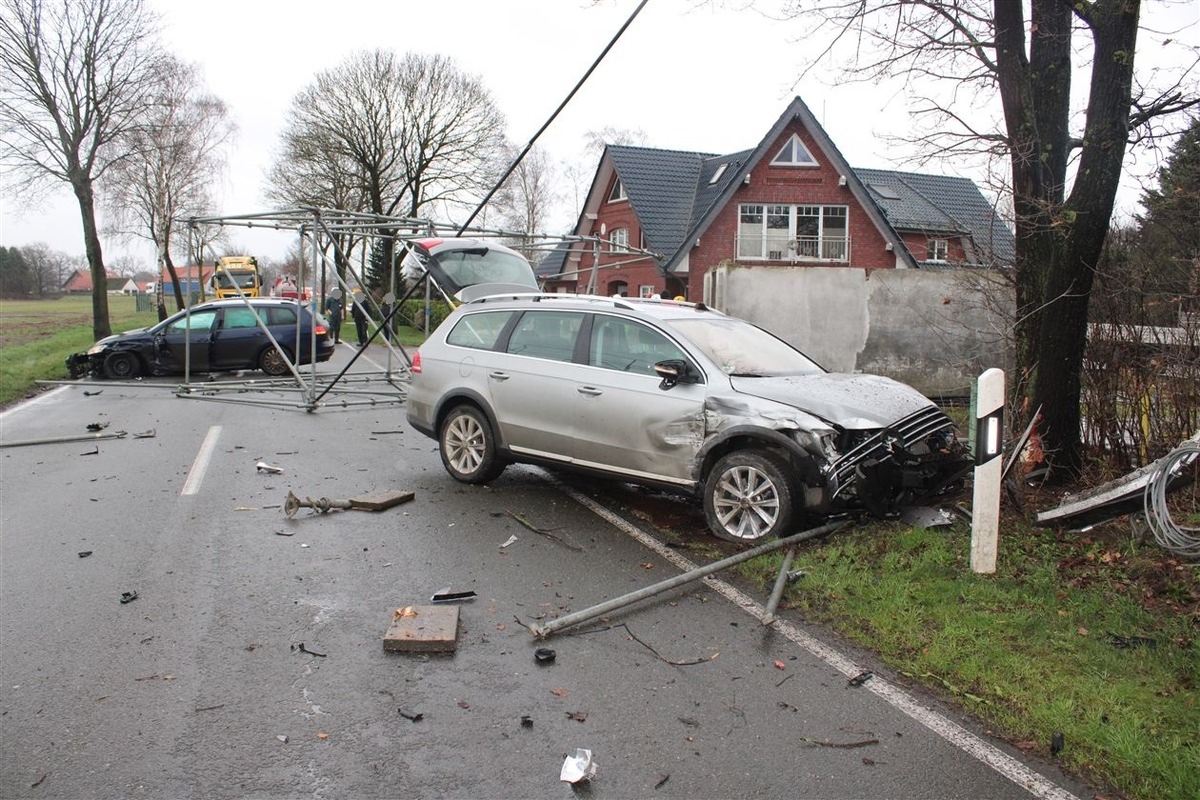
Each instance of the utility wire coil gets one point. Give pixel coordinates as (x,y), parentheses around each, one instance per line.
(1183,542)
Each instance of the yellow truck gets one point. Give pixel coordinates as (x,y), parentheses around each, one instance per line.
(236,276)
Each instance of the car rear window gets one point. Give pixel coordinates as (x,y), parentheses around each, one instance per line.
(479,331)
(281,315)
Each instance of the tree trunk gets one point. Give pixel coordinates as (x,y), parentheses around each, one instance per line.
(101,325)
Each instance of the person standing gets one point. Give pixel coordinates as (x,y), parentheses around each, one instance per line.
(333,312)
(360,317)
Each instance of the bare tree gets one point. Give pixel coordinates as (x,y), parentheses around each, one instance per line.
(524,202)
(76,77)
(174,160)
(407,134)
(1065,170)
(47,268)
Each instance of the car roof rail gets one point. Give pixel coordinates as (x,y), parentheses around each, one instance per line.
(627,303)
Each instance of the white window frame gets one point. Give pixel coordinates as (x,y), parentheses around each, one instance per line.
(617,194)
(771,232)
(646,290)
(937,250)
(618,240)
(794,153)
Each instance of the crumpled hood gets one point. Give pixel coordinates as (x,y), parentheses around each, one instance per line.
(852,401)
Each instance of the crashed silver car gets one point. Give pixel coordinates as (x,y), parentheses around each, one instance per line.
(676,395)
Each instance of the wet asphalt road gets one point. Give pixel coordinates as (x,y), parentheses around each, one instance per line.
(198,688)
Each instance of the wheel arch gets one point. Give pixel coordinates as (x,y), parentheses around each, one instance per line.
(467,397)
(802,467)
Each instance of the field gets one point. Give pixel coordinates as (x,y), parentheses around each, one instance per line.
(36,336)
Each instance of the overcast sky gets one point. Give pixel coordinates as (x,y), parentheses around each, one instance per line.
(710,77)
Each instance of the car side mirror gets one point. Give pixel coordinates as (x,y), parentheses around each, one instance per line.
(672,371)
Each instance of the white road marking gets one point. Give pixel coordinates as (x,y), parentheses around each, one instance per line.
(200,465)
(1035,783)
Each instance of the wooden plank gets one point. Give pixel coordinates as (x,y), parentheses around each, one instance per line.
(380,500)
(423,629)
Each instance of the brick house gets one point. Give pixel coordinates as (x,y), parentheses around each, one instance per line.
(792,201)
(80,281)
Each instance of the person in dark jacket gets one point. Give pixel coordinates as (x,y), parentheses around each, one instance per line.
(333,312)
(360,317)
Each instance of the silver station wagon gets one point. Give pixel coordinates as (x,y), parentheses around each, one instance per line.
(676,395)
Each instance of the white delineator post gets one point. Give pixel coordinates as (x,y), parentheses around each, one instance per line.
(989,438)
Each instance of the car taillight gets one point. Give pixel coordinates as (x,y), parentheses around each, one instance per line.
(416,364)
(322,330)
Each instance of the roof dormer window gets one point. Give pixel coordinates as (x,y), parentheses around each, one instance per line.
(717,175)
(618,192)
(794,154)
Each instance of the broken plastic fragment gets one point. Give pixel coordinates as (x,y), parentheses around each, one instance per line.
(511,539)
(447,596)
(128,597)
(263,466)
(579,767)
(544,655)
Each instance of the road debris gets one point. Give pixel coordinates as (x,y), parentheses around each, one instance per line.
(84,553)
(128,597)
(860,678)
(83,437)
(510,540)
(542,532)
(842,745)
(95,451)
(97,426)
(372,501)
(544,655)
(150,434)
(1123,642)
(86,393)
(305,650)
(423,629)
(447,596)
(263,466)
(282,738)
(411,716)
(579,767)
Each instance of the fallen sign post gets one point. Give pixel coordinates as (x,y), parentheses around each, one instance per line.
(372,501)
(576,617)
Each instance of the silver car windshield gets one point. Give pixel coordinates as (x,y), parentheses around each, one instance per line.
(740,349)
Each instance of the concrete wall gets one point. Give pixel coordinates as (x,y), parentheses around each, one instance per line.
(936,330)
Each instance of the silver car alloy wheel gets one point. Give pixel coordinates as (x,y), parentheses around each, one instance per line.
(465,443)
(746,502)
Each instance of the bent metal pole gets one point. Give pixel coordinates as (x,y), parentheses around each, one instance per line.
(574,618)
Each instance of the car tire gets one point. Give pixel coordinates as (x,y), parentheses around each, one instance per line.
(274,363)
(468,446)
(122,366)
(748,497)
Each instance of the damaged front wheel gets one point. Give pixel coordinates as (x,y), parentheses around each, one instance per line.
(122,366)
(748,497)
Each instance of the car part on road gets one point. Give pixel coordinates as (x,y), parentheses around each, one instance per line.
(543,630)
(128,597)
(447,596)
(544,655)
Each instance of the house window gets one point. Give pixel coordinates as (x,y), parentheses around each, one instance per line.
(618,191)
(937,250)
(618,289)
(645,290)
(619,239)
(717,175)
(794,154)
(779,232)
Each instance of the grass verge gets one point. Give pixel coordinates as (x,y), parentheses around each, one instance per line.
(1093,636)
(36,336)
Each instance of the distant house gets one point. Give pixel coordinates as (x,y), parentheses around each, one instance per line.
(80,281)
(792,200)
(130,287)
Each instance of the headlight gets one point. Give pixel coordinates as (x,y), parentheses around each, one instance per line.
(819,442)
(96,349)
